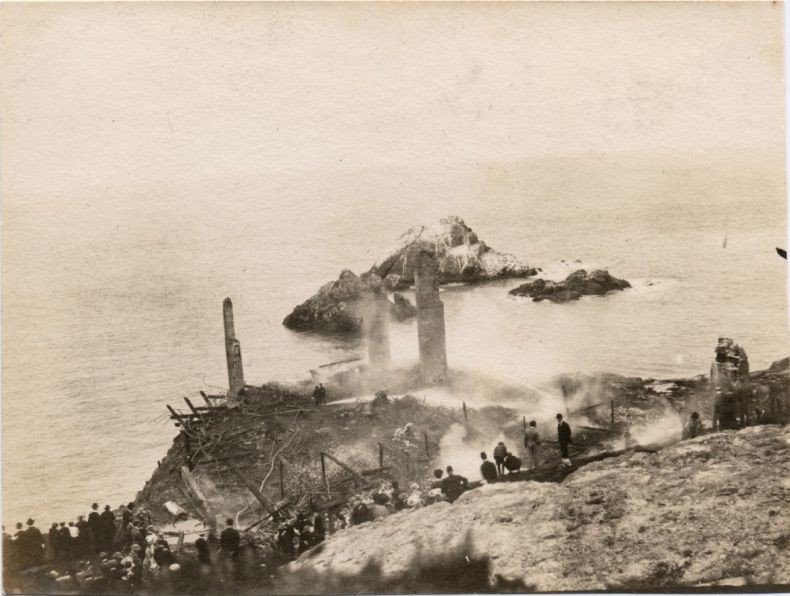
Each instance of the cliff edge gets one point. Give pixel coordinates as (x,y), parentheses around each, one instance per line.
(710,510)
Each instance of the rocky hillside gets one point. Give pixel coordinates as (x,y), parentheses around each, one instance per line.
(577,284)
(711,510)
(337,307)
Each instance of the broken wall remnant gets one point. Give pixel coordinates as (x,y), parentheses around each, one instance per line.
(376,319)
(232,351)
(430,315)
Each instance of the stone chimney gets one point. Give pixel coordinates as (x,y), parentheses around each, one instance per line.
(232,351)
(376,318)
(430,315)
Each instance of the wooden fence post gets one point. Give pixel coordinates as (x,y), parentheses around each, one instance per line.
(323,474)
(612,404)
(381,455)
(282,481)
(524,423)
(427,450)
(466,414)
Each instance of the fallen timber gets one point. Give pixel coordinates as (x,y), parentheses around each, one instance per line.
(556,473)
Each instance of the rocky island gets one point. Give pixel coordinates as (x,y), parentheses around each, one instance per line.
(338,306)
(577,284)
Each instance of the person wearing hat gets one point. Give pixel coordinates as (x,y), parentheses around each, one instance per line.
(95,525)
(35,543)
(107,528)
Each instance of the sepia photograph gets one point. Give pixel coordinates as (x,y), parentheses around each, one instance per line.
(394,297)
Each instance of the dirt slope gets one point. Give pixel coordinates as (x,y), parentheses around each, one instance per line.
(706,510)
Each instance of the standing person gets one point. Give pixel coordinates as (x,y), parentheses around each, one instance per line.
(487,469)
(108,528)
(65,542)
(319,394)
(531,442)
(564,439)
(95,525)
(8,555)
(21,548)
(85,537)
(500,451)
(54,542)
(35,542)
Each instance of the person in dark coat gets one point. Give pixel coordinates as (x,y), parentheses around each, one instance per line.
(512,463)
(94,522)
(500,451)
(65,542)
(86,536)
(203,553)
(107,528)
(54,542)
(487,469)
(9,561)
(229,540)
(453,485)
(563,438)
(319,394)
(35,543)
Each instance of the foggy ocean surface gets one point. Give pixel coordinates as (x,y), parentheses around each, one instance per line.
(116,309)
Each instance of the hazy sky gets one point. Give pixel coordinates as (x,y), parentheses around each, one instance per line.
(98,96)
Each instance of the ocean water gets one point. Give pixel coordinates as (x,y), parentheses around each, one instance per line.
(114,309)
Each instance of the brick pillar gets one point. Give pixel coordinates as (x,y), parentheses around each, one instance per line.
(430,316)
(232,351)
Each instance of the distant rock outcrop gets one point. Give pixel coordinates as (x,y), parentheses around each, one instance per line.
(462,257)
(577,284)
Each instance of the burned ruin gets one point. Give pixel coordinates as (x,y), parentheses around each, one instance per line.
(232,351)
(430,315)
(376,322)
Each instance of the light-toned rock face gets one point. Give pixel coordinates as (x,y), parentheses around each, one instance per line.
(712,509)
(461,256)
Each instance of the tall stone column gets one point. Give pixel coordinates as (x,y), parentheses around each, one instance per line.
(377,329)
(430,316)
(232,351)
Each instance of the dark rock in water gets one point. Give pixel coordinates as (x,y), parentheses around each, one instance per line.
(577,284)
(334,308)
(462,257)
(337,306)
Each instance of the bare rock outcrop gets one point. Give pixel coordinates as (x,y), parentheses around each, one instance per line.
(337,306)
(710,510)
(461,256)
(577,284)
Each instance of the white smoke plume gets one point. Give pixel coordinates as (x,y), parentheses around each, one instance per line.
(464,454)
